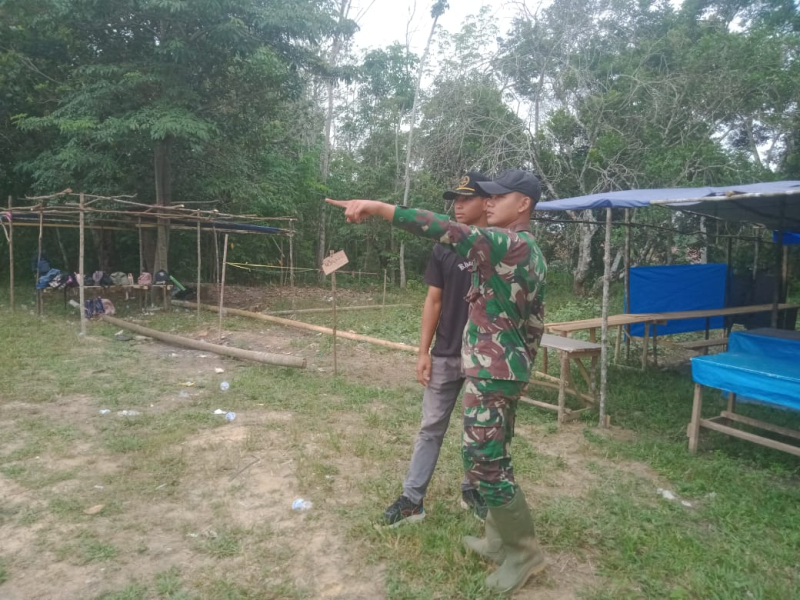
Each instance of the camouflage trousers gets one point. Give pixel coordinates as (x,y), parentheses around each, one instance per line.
(490,407)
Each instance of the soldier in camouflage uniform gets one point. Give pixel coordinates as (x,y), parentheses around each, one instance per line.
(501,339)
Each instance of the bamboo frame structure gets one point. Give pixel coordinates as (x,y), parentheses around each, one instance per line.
(122,213)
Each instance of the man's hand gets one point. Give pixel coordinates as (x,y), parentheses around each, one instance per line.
(424,369)
(356,211)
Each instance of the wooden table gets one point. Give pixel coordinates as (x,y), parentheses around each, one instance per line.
(568,350)
(568,328)
(651,321)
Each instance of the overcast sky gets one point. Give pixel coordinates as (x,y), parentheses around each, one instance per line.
(385,21)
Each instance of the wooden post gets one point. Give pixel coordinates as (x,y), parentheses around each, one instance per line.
(38,260)
(694,427)
(222,284)
(627,258)
(776,294)
(604,328)
(141,248)
(10,255)
(81,269)
(731,402)
(291,260)
(333,294)
(199,263)
(617,344)
(562,385)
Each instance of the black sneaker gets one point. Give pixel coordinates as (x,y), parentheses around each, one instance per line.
(403,511)
(472,499)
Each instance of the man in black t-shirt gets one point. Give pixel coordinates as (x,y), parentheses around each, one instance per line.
(445,313)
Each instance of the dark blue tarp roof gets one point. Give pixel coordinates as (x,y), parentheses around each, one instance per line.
(640,198)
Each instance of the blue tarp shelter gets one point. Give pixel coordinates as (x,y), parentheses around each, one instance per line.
(775,204)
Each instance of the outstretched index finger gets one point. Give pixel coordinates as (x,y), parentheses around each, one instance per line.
(339,203)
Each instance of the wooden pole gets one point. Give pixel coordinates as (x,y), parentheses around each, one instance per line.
(222,284)
(10,255)
(306,326)
(141,248)
(262,357)
(333,294)
(291,260)
(627,257)
(303,311)
(81,269)
(604,328)
(38,260)
(776,294)
(199,263)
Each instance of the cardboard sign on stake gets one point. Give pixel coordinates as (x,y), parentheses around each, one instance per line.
(334,262)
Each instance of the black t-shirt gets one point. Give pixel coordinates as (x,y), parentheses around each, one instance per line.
(451,273)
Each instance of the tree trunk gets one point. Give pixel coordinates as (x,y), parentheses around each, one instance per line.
(437,11)
(163,181)
(581,273)
(104,250)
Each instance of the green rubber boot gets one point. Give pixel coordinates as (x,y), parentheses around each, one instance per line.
(524,557)
(490,546)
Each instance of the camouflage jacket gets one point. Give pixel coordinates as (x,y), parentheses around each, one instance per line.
(506,301)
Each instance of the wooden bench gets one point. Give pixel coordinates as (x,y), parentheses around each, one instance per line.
(702,346)
(568,349)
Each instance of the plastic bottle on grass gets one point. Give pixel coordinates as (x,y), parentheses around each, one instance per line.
(301,505)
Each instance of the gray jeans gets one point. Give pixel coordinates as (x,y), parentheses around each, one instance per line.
(438,402)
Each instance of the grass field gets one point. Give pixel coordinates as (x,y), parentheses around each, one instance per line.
(176,503)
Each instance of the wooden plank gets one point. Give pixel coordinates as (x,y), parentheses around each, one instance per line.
(661,318)
(538,403)
(792,433)
(750,437)
(693,430)
(700,344)
(569,345)
(555,385)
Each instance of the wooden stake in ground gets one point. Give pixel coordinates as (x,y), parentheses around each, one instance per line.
(604,328)
(10,255)
(329,266)
(222,284)
(176,340)
(38,260)
(198,265)
(333,294)
(81,270)
(291,261)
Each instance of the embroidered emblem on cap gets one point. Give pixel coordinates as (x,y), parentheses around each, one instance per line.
(464,181)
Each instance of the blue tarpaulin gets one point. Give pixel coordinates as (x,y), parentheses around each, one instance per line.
(789,239)
(674,288)
(759,365)
(640,198)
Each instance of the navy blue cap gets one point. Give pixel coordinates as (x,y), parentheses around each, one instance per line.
(514,180)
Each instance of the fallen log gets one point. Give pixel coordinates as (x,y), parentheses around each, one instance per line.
(338,309)
(176,340)
(300,325)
